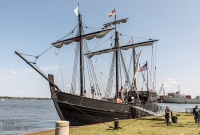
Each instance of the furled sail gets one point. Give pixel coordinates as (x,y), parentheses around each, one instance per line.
(115,22)
(98,34)
(125,47)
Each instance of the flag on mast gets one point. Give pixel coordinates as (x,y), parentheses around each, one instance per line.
(137,64)
(76,11)
(130,41)
(111,13)
(143,68)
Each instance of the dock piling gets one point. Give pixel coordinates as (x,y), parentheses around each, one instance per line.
(62,128)
(116,124)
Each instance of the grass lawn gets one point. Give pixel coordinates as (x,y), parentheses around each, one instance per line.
(146,126)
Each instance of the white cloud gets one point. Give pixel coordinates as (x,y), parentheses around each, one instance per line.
(166,83)
(35,89)
(170,79)
(185,89)
(0,71)
(13,72)
(193,81)
(173,82)
(24,71)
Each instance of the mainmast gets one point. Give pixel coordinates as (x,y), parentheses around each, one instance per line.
(116,55)
(81,53)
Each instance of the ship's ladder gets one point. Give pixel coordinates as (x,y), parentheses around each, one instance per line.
(148,111)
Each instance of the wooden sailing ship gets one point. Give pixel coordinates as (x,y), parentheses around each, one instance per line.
(81,110)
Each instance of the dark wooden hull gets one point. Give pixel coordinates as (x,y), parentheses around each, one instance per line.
(80,110)
(83,115)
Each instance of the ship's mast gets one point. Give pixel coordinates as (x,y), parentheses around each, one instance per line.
(134,65)
(81,53)
(116,54)
(147,76)
(179,89)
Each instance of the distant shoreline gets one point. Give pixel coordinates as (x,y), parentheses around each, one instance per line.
(23,98)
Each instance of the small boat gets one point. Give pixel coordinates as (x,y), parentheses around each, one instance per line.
(2,99)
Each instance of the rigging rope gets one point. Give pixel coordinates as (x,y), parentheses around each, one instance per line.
(129,68)
(39,70)
(56,64)
(124,58)
(155,64)
(92,72)
(110,79)
(101,43)
(49,47)
(61,67)
(27,55)
(102,81)
(69,33)
(152,69)
(135,36)
(92,27)
(36,57)
(43,52)
(95,79)
(74,75)
(127,81)
(119,65)
(58,59)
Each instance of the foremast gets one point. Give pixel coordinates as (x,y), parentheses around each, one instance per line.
(81,53)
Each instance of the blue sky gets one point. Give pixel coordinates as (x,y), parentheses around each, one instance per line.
(31,26)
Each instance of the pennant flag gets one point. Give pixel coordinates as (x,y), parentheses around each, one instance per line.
(143,68)
(76,11)
(111,13)
(130,41)
(137,64)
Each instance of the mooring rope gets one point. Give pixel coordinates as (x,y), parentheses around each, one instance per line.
(88,114)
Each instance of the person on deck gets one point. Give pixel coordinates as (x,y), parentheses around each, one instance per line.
(120,92)
(168,115)
(92,91)
(196,114)
(121,89)
(84,93)
(132,100)
(118,100)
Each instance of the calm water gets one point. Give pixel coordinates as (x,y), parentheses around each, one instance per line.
(178,107)
(28,116)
